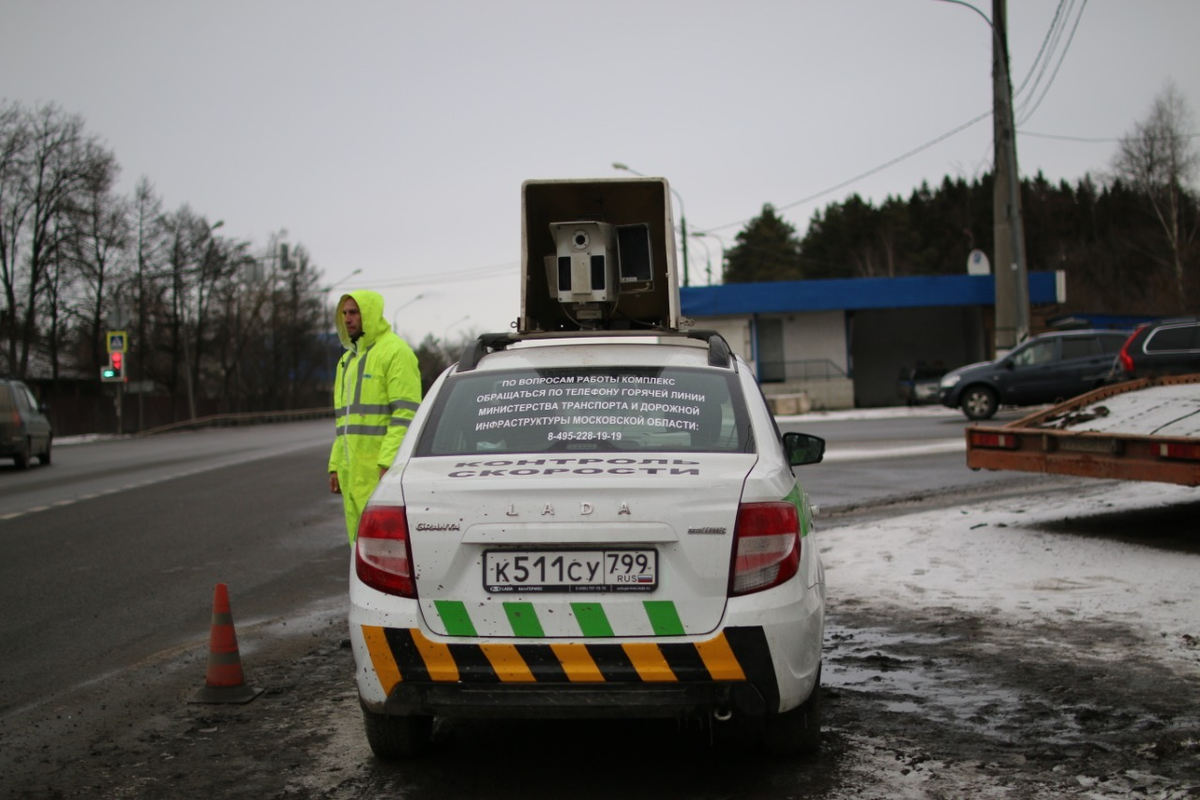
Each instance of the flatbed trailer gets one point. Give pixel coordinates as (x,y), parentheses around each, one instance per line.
(1143,430)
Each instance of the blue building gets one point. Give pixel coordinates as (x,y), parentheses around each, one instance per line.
(830,344)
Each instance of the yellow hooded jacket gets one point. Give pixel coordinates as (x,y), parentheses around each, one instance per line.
(375,395)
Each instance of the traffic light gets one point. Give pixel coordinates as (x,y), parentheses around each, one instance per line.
(115,369)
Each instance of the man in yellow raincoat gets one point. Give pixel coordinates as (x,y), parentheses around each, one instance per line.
(375,394)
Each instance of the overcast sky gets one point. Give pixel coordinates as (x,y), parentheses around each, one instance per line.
(393,137)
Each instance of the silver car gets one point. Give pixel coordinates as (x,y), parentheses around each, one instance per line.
(25,431)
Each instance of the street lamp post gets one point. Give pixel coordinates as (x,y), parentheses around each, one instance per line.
(1012,287)
(704,235)
(446,332)
(396,313)
(682,215)
(340,281)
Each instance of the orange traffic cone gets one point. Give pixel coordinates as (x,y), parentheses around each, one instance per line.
(224,682)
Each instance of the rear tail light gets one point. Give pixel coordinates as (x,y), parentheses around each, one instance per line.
(1002,441)
(1124,357)
(382,555)
(1180,450)
(766,547)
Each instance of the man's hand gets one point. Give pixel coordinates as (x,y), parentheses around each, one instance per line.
(334,486)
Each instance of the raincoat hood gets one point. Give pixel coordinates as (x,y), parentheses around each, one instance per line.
(370,304)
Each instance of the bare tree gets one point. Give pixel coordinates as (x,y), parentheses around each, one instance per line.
(190,264)
(47,163)
(98,246)
(1157,158)
(14,143)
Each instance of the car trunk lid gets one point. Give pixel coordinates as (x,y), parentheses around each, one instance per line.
(664,521)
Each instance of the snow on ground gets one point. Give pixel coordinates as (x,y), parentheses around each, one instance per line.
(994,559)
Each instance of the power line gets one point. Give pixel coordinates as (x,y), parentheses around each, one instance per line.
(1099,140)
(458,276)
(862,175)
(1047,50)
(1025,115)
(1046,41)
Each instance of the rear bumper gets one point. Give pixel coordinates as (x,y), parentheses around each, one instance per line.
(402,672)
(628,701)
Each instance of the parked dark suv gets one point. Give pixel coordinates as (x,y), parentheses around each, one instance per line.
(24,429)
(1043,369)
(1166,347)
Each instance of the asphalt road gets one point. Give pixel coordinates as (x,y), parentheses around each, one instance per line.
(108,560)
(109,557)
(892,455)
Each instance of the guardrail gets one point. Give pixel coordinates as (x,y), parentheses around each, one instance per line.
(232,420)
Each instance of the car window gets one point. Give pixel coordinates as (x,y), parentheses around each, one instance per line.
(1079,347)
(1166,339)
(1112,344)
(634,409)
(1034,354)
(6,399)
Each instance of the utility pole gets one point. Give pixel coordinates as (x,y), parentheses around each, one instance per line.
(1012,284)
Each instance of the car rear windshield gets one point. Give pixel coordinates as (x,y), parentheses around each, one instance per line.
(626,409)
(1173,338)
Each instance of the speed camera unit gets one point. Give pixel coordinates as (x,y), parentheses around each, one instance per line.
(598,255)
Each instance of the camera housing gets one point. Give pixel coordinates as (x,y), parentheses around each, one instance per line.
(598,255)
(584,264)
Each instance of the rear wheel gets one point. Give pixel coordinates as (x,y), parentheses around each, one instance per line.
(796,732)
(397,737)
(979,402)
(44,456)
(21,459)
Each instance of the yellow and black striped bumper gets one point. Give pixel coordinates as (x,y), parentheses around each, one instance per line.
(419,675)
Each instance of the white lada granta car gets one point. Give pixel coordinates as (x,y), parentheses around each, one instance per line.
(581,527)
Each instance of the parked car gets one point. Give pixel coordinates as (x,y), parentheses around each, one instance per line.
(1167,347)
(581,527)
(920,384)
(1044,369)
(24,430)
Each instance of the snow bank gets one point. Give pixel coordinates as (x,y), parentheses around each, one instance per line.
(992,558)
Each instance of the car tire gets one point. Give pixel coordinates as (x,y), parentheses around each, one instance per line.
(21,458)
(796,732)
(979,402)
(393,738)
(44,456)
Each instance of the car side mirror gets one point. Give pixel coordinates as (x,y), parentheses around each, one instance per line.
(801,448)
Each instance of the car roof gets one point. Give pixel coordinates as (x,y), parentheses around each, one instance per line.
(598,352)
(1084,332)
(604,349)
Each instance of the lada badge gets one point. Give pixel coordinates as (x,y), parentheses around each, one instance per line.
(585,509)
